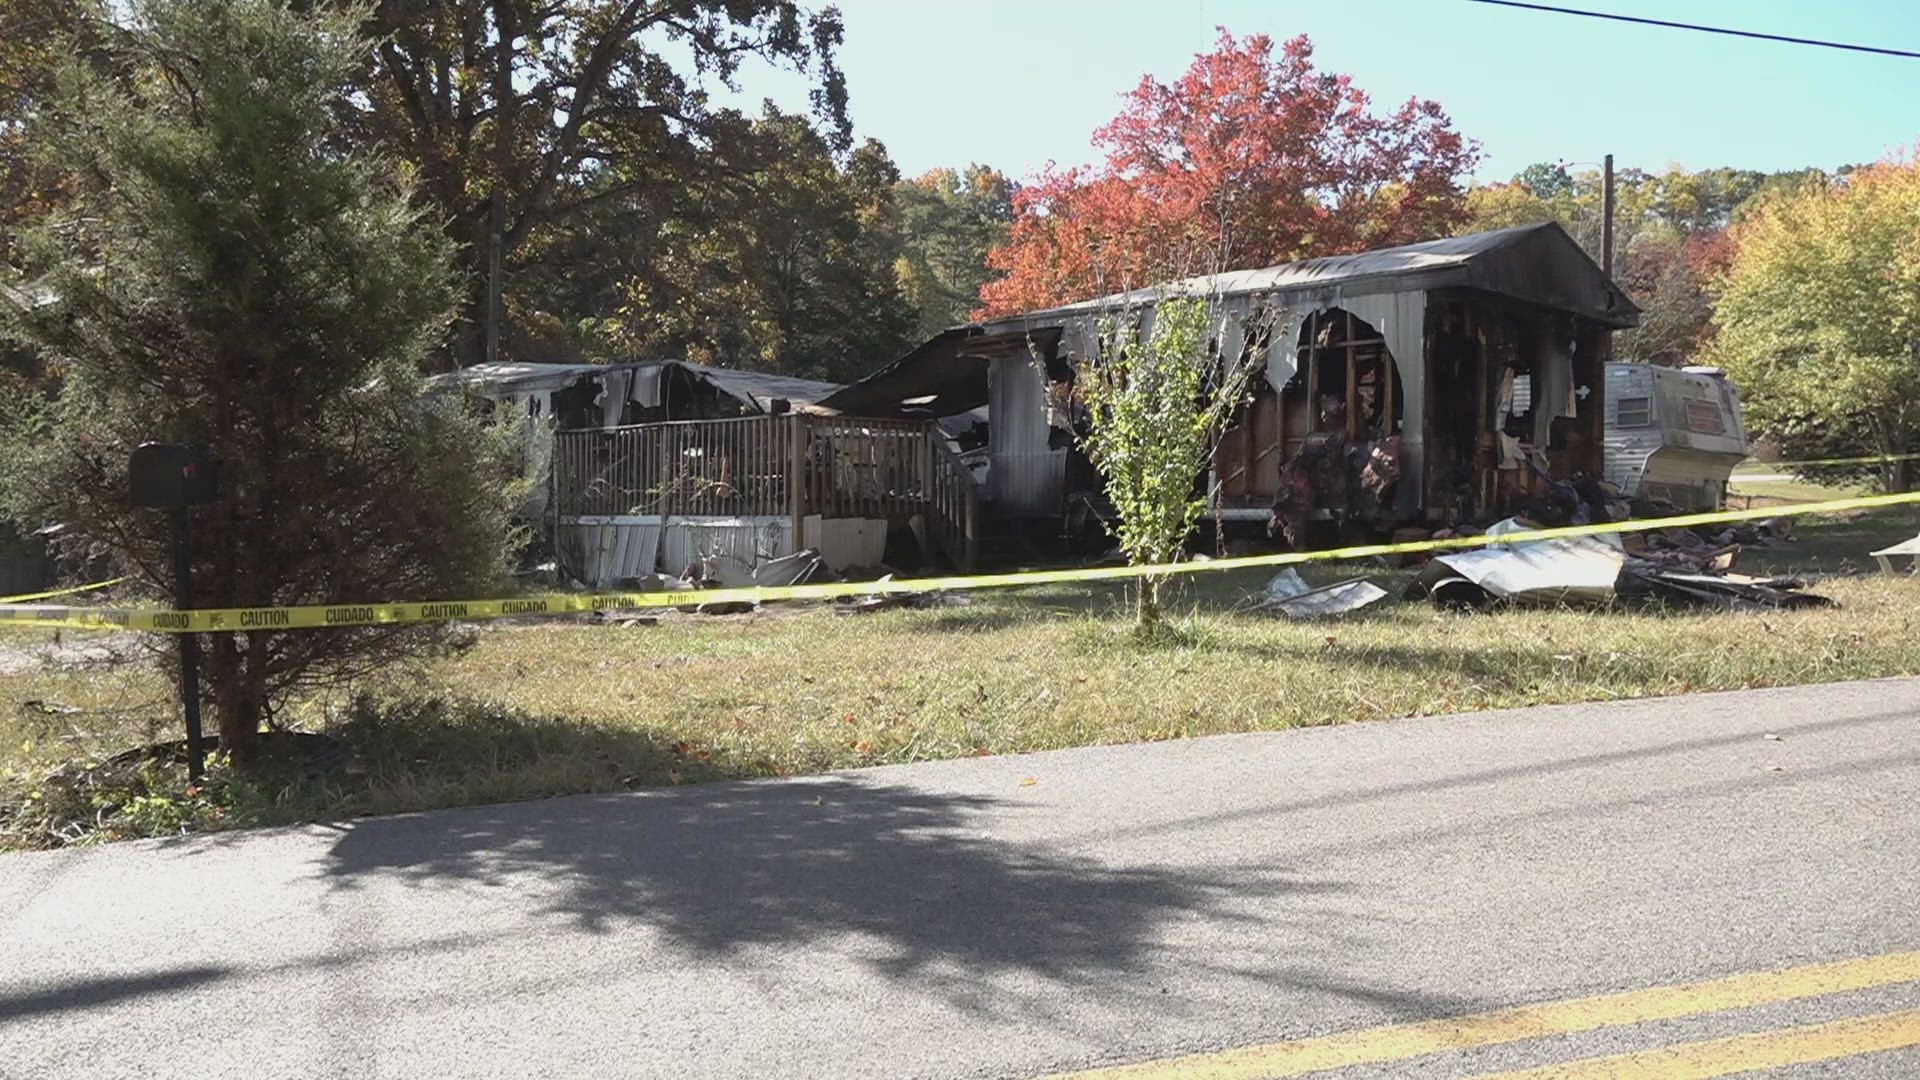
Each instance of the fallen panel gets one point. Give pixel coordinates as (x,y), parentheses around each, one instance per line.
(1905,547)
(1330,600)
(1575,568)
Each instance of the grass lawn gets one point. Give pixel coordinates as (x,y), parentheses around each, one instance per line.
(539,710)
(1746,490)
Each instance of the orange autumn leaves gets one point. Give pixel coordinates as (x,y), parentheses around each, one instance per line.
(1250,158)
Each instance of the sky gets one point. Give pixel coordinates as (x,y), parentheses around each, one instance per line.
(1018,83)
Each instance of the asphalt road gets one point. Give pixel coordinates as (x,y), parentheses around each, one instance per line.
(1022,916)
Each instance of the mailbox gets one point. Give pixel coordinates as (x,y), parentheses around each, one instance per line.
(170,476)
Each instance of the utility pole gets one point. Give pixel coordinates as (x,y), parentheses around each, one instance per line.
(1606,217)
(1606,236)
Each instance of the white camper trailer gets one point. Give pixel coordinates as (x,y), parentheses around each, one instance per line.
(1673,433)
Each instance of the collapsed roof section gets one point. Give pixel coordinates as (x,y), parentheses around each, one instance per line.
(639,382)
(945,376)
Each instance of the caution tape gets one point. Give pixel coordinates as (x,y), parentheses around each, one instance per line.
(1876,459)
(266,619)
(51,593)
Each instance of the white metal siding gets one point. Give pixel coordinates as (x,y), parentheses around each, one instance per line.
(1026,478)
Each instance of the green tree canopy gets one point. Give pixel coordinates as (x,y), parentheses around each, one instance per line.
(1819,314)
(950,219)
(228,273)
(521,117)
(1668,237)
(779,257)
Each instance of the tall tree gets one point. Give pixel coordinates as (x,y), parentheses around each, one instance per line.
(783,261)
(227,275)
(34,35)
(522,115)
(949,220)
(1819,313)
(1250,158)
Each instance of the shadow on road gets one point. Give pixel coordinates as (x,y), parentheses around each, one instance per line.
(108,991)
(909,875)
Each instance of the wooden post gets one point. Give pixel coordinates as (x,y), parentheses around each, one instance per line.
(1483,468)
(1353,384)
(972,556)
(797,477)
(1389,368)
(1313,372)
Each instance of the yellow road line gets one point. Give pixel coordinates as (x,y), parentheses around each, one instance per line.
(1741,1053)
(1403,1041)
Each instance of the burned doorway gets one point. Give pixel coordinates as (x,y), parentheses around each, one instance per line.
(1346,379)
(1344,397)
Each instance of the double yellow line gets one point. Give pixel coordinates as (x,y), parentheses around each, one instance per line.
(376,613)
(1716,1057)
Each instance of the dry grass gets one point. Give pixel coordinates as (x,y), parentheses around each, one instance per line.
(533,711)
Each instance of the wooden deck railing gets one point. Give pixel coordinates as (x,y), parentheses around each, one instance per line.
(794,465)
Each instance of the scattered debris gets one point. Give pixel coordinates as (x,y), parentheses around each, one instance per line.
(734,572)
(884,601)
(1288,594)
(1909,548)
(1736,592)
(727,607)
(1338,599)
(1574,568)
(1286,585)
(1674,566)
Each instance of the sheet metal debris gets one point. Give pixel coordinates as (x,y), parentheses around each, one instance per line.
(1909,548)
(1288,594)
(1576,568)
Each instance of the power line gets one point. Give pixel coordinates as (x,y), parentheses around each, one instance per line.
(1702,29)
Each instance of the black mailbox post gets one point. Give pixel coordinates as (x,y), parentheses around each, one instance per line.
(172,477)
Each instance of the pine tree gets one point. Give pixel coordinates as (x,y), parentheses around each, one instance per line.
(231,272)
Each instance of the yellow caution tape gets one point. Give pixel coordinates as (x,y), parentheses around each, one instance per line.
(1876,459)
(246,620)
(50,593)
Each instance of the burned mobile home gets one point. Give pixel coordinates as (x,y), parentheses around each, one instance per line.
(1435,383)
(656,465)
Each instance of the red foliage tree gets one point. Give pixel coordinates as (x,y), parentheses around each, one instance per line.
(1249,159)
